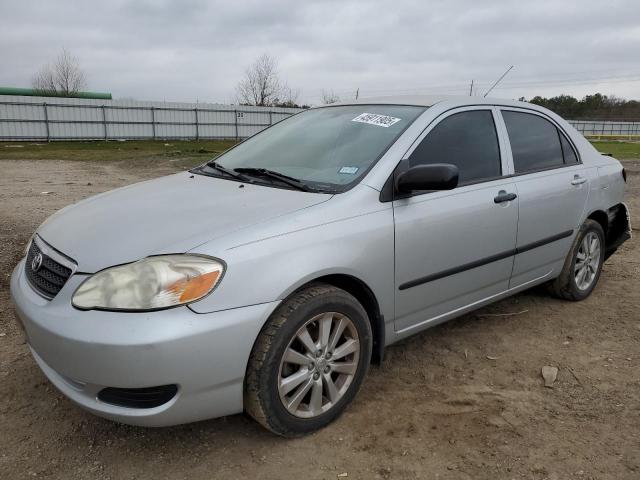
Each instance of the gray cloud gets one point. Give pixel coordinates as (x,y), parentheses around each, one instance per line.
(196,49)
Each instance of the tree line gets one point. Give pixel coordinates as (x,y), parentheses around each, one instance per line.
(591,107)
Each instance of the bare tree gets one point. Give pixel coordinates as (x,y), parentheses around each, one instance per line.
(329,97)
(261,84)
(64,77)
(288,97)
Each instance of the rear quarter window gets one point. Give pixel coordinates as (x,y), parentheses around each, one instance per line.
(568,152)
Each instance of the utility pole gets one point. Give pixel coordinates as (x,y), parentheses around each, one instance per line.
(471,88)
(498,81)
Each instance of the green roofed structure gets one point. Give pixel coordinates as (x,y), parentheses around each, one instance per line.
(30,92)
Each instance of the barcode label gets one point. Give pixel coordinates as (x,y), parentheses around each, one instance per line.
(376,119)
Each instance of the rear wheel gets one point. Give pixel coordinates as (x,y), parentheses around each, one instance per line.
(583,265)
(309,361)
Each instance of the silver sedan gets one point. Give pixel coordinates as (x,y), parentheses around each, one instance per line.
(269,279)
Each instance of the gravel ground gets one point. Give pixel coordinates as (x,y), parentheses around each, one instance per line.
(464,400)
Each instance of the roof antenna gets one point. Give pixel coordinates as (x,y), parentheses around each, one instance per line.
(498,81)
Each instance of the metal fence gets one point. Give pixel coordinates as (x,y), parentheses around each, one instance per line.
(603,128)
(46,119)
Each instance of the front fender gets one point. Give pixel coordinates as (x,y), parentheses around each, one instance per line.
(270,269)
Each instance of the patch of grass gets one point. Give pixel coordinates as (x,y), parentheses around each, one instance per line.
(191,152)
(188,153)
(620,150)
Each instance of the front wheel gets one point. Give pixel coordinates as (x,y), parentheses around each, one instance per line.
(309,361)
(583,265)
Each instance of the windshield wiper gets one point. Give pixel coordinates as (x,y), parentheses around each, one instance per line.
(265,172)
(232,173)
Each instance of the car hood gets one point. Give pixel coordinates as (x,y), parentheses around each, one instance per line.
(171,214)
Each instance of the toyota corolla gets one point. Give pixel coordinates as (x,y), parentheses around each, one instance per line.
(268,280)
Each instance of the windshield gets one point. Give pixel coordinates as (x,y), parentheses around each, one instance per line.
(326,148)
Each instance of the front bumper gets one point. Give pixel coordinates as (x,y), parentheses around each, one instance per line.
(82,352)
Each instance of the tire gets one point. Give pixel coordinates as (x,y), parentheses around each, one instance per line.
(567,286)
(270,374)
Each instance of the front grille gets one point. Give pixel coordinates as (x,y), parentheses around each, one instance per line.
(50,277)
(149,397)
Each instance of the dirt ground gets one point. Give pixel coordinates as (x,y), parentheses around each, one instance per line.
(464,400)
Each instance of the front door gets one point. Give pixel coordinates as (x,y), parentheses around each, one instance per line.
(455,248)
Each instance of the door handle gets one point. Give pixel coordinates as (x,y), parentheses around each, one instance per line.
(578,180)
(503,196)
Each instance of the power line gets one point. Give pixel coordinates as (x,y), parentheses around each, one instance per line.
(460,87)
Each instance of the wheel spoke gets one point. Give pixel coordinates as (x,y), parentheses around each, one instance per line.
(337,332)
(332,391)
(585,273)
(299,395)
(579,266)
(596,253)
(585,245)
(581,255)
(292,356)
(292,381)
(344,367)
(306,340)
(346,348)
(315,403)
(580,276)
(593,245)
(325,329)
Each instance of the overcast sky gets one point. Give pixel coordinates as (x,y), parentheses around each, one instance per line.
(198,50)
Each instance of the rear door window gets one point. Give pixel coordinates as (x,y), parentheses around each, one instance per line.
(467,140)
(535,142)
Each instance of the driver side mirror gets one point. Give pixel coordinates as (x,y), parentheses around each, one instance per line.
(436,176)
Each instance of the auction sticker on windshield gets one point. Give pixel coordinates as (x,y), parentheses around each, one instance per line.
(376,119)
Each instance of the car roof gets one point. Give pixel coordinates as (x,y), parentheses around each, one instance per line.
(430,100)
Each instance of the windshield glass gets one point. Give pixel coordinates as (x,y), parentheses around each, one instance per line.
(326,148)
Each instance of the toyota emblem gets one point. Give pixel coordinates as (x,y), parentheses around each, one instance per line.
(36,263)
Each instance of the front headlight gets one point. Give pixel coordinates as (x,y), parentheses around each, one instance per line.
(150,284)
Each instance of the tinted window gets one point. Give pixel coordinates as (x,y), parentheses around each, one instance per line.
(535,143)
(567,150)
(467,140)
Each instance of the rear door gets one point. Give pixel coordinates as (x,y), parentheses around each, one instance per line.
(454,248)
(552,188)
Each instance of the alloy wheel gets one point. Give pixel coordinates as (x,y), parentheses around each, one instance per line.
(587,261)
(319,364)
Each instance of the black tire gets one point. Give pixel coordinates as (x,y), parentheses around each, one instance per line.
(565,286)
(261,395)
